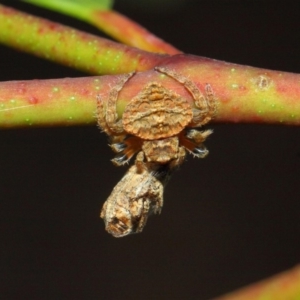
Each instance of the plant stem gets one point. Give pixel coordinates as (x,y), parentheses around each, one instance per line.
(280,287)
(111,22)
(56,102)
(243,94)
(70,47)
(130,33)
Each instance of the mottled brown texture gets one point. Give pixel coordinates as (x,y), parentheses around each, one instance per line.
(155,121)
(156,113)
(163,151)
(155,125)
(205,104)
(133,199)
(106,110)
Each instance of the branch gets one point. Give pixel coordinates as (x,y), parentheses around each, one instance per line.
(112,23)
(70,47)
(50,102)
(283,286)
(244,94)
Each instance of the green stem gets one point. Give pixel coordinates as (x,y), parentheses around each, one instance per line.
(243,94)
(112,23)
(130,33)
(70,47)
(68,101)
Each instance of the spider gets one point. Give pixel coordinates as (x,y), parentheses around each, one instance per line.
(155,121)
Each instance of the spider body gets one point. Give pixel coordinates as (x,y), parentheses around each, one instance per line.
(156,113)
(156,121)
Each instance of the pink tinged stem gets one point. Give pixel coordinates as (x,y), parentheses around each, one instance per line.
(70,47)
(56,102)
(243,93)
(129,32)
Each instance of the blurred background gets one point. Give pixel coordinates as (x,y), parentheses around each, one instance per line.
(228,220)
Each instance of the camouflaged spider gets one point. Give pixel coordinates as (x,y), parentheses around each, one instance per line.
(155,121)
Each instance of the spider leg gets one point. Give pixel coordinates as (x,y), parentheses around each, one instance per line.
(197,136)
(125,148)
(192,140)
(111,116)
(205,105)
(100,114)
(211,101)
(139,162)
(175,163)
(141,215)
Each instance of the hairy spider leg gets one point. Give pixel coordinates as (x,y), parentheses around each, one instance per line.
(101,116)
(111,116)
(205,107)
(125,149)
(193,139)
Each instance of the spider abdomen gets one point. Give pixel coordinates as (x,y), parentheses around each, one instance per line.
(161,151)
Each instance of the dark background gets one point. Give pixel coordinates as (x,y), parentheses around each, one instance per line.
(228,220)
